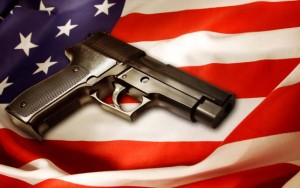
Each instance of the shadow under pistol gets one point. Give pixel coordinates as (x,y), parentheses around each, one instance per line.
(104,66)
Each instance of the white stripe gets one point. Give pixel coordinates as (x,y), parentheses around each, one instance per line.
(227,159)
(205,47)
(34,171)
(294,182)
(100,125)
(295,162)
(160,6)
(292,78)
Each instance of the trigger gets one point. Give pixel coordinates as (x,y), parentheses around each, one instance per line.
(118,90)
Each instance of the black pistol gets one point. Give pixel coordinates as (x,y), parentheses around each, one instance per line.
(103,66)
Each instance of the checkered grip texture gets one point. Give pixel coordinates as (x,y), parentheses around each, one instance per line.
(48,91)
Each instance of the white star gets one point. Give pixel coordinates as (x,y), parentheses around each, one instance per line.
(45,66)
(4,84)
(25,44)
(66,28)
(48,9)
(103,7)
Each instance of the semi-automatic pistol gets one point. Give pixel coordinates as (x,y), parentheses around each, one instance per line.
(103,66)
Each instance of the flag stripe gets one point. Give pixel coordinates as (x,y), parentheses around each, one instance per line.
(203,47)
(233,19)
(269,176)
(97,156)
(41,168)
(152,7)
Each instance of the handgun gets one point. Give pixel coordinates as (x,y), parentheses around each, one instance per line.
(103,66)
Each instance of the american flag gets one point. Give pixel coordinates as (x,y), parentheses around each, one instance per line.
(248,47)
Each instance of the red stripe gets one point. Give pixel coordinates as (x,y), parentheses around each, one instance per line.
(88,156)
(9,182)
(278,113)
(259,16)
(60,183)
(270,176)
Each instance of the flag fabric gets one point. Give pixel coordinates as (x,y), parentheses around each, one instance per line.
(248,47)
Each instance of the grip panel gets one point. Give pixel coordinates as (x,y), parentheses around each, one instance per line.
(43,94)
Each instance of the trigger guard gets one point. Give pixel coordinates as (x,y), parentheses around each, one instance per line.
(129,115)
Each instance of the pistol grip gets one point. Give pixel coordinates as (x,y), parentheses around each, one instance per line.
(44,98)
